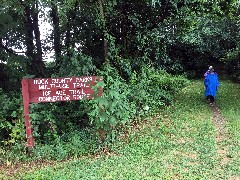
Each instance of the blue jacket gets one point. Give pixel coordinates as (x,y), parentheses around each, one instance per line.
(211,83)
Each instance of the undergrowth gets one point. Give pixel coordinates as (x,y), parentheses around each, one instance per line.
(177,143)
(66,129)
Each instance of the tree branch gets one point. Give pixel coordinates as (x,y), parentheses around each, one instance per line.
(161,17)
(9,50)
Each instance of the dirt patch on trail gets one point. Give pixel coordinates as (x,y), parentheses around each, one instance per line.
(8,171)
(218,121)
(221,135)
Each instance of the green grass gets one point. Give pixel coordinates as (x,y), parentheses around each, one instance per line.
(229,104)
(179,143)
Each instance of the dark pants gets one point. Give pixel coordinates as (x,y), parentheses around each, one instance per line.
(210,98)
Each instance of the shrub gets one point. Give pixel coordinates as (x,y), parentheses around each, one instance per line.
(11,119)
(153,89)
(232,62)
(77,65)
(51,120)
(113,108)
(121,103)
(73,143)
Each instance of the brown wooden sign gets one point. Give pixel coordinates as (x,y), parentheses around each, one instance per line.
(53,90)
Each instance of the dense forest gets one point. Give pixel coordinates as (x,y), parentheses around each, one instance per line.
(145,50)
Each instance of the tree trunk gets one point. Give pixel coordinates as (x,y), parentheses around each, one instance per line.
(70,20)
(38,61)
(68,35)
(29,33)
(36,65)
(29,39)
(56,34)
(105,45)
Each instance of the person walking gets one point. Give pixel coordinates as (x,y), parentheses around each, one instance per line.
(209,71)
(211,84)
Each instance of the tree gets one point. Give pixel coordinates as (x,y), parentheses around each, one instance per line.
(24,34)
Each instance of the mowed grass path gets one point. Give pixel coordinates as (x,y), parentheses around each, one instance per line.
(179,143)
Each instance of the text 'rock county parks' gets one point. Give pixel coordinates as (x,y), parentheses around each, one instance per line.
(62,89)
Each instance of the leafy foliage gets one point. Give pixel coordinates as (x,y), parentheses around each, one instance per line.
(141,49)
(121,103)
(232,62)
(154,88)
(11,119)
(113,108)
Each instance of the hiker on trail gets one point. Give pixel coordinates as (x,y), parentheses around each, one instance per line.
(211,84)
(208,71)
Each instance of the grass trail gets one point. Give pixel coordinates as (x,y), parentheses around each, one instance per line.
(180,143)
(229,105)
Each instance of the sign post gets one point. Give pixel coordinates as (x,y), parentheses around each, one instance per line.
(53,90)
(28,124)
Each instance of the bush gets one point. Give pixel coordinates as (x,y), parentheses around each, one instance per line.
(153,89)
(51,120)
(76,65)
(12,130)
(71,144)
(232,62)
(122,103)
(113,108)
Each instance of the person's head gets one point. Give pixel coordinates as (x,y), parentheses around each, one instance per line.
(211,69)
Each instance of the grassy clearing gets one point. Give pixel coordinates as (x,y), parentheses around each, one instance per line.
(179,143)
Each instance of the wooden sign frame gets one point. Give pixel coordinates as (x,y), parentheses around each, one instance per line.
(54,90)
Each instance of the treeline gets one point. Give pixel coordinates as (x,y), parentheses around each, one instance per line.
(144,50)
